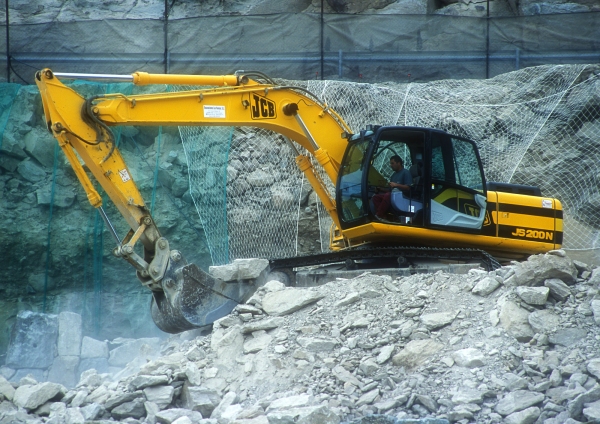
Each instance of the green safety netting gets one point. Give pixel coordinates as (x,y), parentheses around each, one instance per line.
(75,246)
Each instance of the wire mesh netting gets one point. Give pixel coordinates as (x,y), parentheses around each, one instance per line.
(246,189)
(538,126)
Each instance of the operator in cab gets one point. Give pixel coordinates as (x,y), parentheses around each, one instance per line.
(400,179)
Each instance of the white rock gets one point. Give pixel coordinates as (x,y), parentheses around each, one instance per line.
(543,321)
(145,348)
(468,395)
(385,354)
(64,370)
(416,352)
(368,367)
(349,299)
(92,348)
(517,401)
(494,317)
(160,395)
(470,358)
(201,399)
(309,414)
(485,286)
(32,396)
(91,412)
(592,411)
(79,398)
(345,376)
(260,178)
(70,331)
(239,269)
(595,307)
(437,320)
(286,301)
(227,343)
(6,389)
(593,367)
(367,398)
(193,374)
(533,295)
(558,289)
(526,416)
(171,415)
(595,277)
(259,341)
(142,381)
(515,320)
(273,286)
(313,344)
(290,402)
(263,324)
(231,398)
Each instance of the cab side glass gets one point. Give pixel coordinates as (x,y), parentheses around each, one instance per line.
(466,165)
(351,175)
(457,192)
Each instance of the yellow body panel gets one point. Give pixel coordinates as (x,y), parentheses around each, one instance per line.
(419,236)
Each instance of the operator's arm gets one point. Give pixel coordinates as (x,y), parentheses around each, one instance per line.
(399,186)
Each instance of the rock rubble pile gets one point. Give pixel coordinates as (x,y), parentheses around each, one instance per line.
(516,345)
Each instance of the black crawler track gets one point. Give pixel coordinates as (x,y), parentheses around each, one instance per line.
(401,256)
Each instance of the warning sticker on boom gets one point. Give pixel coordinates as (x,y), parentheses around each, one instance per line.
(211,111)
(124,175)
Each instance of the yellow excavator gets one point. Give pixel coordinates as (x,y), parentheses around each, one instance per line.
(449,204)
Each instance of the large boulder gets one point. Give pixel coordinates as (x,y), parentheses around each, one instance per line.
(70,330)
(539,268)
(416,352)
(32,341)
(286,301)
(240,269)
(201,399)
(31,396)
(31,171)
(515,320)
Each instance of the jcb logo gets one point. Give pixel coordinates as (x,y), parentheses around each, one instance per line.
(487,221)
(472,210)
(262,108)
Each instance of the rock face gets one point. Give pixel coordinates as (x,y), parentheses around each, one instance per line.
(367,349)
(65,11)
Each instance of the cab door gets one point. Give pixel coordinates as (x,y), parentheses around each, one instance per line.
(457,184)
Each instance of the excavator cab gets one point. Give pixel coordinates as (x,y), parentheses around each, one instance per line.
(448,188)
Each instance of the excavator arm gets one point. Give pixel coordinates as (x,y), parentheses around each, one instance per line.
(184,296)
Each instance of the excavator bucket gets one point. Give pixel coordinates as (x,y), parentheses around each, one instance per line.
(192,298)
